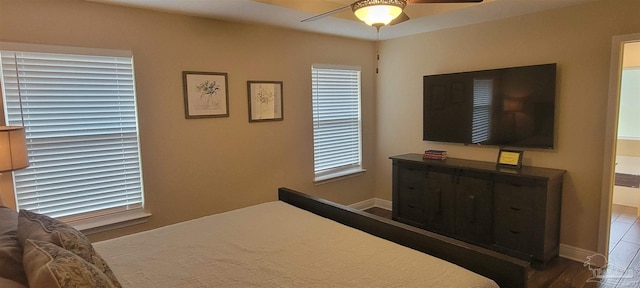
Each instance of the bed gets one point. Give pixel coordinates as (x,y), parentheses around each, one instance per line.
(285,243)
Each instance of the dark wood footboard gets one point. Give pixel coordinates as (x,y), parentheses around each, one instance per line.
(504,270)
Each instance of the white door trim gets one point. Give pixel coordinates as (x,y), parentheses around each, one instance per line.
(610,137)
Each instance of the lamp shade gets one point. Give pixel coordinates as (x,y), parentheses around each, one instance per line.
(378,12)
(13,148)
(513,105)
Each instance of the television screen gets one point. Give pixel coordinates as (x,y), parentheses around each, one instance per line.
(501,107)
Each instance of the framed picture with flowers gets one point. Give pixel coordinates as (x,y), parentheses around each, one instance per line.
(265,101)
(205,94)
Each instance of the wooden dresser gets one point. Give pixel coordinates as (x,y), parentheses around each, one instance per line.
(516,212)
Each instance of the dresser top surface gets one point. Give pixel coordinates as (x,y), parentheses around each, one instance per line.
(527,171)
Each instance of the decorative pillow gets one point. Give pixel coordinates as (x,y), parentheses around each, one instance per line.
(43,228)
(49,266)
(10,249)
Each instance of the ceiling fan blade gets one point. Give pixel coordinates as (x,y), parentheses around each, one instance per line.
(401,18)
(325,14)
(442,1)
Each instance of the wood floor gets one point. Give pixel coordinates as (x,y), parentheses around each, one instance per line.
(624,259)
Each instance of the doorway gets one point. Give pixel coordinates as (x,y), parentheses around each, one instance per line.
(619,236)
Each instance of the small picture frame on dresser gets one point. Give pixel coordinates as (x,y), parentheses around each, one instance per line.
(509,158)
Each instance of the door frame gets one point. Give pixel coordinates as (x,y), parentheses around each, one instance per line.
(610,137)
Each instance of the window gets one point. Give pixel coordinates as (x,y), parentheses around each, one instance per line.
(629,118)
(336,121)
(78,107)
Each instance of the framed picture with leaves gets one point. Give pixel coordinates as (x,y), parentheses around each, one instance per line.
(265,101)
(205,94)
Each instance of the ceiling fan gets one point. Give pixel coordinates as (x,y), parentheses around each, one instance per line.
(378,13)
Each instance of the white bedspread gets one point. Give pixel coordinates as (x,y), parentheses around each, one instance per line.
(273,245)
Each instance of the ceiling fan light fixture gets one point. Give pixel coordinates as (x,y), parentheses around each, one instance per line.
(378,12)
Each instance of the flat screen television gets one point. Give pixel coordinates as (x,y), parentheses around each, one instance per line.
(512,107)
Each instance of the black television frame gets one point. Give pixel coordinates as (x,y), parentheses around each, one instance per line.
(522,113)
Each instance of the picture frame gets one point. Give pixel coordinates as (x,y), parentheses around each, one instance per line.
(206,94)
(265,101)
(509,158)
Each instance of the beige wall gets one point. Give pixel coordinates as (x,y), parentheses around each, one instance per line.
(577,38)
(628,147)
(631,57)
(198,167)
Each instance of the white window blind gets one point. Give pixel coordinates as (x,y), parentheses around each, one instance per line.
(481,122)
(79,113)
(336,121)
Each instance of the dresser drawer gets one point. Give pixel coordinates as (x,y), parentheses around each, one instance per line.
(413,213)
(513,229)
(411,177)
(515,197)
(413,195)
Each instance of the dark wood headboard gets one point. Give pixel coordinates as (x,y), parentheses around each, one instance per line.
(504,270)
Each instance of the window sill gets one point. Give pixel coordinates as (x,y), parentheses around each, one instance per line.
(338,176)
(629,138)
(111,221)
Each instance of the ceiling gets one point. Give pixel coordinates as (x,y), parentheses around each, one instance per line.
(289,13)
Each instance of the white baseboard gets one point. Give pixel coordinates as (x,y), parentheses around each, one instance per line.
(364,205)
(370,203)
(385,204)
(575,253)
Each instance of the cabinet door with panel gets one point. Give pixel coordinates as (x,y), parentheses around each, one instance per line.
(474,214)
(440,201)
